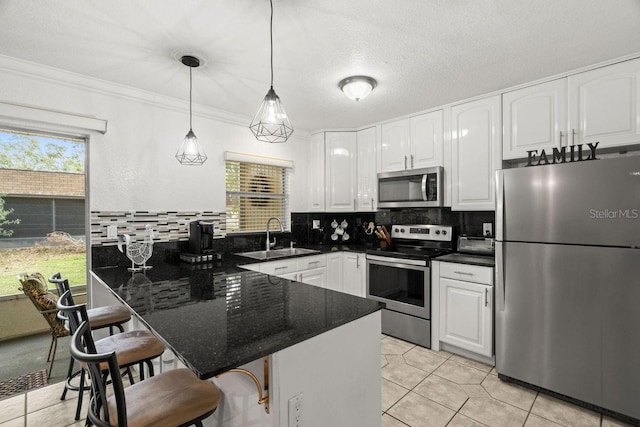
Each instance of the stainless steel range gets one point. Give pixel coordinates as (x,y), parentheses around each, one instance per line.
(400,277)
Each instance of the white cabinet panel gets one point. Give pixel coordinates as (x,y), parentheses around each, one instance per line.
(604,105)
(394,147)
(354,274)
(466,315)
(426,140)
(315,277)
(534,119)
(476,153)
(334,271)
(315,173)
(311,262)
(341,164)
(366,170)
(279,268)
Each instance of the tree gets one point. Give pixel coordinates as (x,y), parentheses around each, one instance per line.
(5,232)
(31,152)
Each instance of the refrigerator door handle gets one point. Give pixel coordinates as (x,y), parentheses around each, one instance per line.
(500,285)
(499,206)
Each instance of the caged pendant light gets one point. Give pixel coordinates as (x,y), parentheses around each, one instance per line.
(190,152)
(271,123)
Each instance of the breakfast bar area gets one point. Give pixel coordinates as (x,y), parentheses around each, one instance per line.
(313,352)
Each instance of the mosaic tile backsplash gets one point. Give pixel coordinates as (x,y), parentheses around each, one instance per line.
(167,225)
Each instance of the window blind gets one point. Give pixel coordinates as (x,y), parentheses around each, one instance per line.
(256,192)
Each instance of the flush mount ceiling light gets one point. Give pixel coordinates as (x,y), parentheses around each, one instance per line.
(271,123)
(190,151)
(357,87)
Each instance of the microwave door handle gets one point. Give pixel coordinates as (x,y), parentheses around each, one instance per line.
(424,187)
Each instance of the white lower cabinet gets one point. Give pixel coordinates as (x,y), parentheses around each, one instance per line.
(354,274)
(466,307)
(338,271)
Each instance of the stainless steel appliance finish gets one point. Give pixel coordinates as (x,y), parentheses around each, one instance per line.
(410,188)
(567,280)
(400,277)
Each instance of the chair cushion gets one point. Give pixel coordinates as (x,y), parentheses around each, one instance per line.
(169,399)
(35,287)
(101,317)
(131,347)
(34,283)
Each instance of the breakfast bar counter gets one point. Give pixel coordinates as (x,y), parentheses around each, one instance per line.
(318,342)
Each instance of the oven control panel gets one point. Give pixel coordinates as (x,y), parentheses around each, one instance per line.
(441,233)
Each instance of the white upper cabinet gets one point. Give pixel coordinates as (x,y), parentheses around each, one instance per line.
(604,105)
(394,147)
(476,153)
(426,140)
(315,173)
(366,170)
(600,105)
(535,118)
(412,143)
(341,168)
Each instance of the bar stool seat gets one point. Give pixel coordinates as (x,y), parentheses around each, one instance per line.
(104,317)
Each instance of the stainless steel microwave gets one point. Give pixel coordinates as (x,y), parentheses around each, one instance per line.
(416,188)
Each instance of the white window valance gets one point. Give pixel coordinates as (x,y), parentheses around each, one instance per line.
(20,114)
(262,160)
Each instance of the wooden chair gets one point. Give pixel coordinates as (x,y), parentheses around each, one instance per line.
(132,347)
(173,398)
(34,286)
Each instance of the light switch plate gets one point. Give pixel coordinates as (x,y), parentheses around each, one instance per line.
(112,231)
(487,229)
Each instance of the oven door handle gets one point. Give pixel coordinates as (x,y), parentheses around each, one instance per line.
(395,262)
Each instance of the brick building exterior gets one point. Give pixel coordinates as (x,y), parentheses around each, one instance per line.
(15,182)
(44,202)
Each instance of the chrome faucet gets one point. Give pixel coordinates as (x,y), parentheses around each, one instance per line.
(270,244)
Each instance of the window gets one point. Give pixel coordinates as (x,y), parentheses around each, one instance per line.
(255,193)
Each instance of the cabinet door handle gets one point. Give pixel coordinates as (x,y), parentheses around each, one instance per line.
(281,268)
(412,161)
(573,136)
(405,162)
(355,204)
(357,261)
(561,138)
(372,203)
(464,273)
(486,297)
(314,262)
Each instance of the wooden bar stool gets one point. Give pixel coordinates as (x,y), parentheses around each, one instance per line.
(132,347)
(173,398)
(101,317)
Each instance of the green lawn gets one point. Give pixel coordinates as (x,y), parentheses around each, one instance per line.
(71,264)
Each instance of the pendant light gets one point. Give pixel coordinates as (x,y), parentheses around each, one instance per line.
(357,87)
(190,152)
(271,123)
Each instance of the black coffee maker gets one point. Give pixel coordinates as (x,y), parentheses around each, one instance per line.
(201,238)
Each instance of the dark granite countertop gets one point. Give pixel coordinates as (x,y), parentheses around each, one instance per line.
(222,316)
(481,260)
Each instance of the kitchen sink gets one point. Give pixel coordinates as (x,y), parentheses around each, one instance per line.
(278,253)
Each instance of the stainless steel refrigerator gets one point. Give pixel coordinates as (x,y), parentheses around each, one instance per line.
(568,280)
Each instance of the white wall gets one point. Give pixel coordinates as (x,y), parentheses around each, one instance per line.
(132,166)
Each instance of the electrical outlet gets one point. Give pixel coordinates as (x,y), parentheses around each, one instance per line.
(316,224)
(487,229)
(112,231)
(295,411)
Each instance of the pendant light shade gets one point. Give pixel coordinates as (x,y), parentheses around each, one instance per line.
(271,123)
(357,87)
(190,152)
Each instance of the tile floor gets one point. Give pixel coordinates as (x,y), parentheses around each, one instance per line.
(425,388)
(420,387)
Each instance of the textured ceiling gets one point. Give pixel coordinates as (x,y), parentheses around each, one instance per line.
(424,53)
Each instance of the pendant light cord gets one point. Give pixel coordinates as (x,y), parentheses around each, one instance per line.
(190,91)
(271,38)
